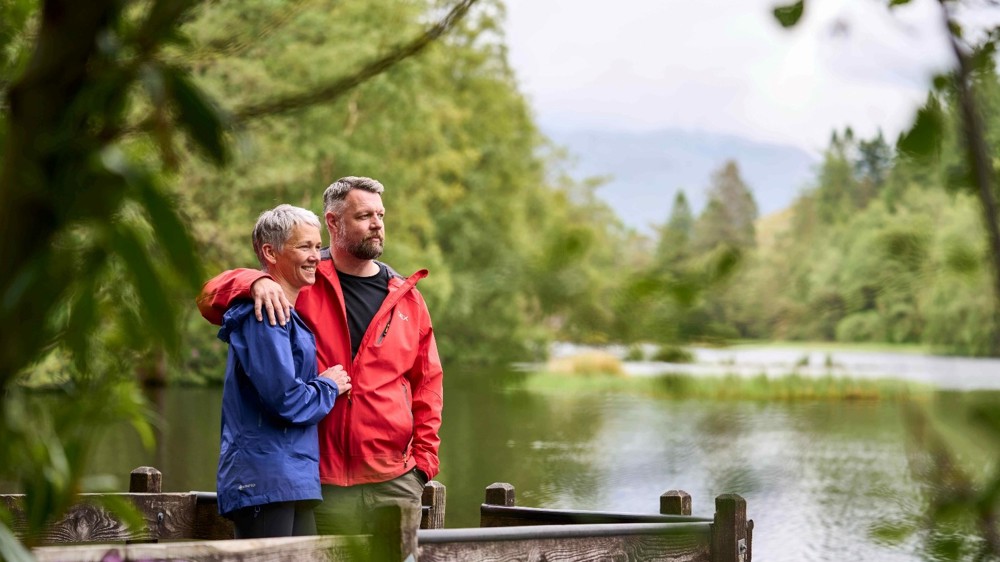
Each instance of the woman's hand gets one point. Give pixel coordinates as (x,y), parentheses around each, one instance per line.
(338,375)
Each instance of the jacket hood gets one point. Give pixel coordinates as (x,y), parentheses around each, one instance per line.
(234,317)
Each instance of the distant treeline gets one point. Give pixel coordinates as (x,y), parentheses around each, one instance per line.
(881,248)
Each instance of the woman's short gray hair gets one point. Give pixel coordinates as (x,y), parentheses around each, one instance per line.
(275,227)
(333,197)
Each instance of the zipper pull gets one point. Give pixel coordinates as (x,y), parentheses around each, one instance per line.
(384,332)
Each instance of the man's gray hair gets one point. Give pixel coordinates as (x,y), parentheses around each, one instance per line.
(275,227)
(333,197)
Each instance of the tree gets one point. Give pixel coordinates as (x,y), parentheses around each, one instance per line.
(676,234)
(730,213)
(872,166)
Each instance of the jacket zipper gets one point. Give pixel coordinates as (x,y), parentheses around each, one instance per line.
(385,331)
(409,408)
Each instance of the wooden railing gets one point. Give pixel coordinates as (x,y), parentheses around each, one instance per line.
(507,531)
(167,516)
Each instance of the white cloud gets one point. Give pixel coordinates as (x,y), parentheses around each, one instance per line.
(726,66)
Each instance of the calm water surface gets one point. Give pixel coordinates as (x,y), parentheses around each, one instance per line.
(817,476)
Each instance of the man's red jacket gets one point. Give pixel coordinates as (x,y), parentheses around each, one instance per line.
(390,420)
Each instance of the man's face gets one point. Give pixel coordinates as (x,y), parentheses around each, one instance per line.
(359,229)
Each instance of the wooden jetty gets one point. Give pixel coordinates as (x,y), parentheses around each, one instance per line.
(187,526)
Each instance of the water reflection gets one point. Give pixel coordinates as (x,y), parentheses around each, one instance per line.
(817,476)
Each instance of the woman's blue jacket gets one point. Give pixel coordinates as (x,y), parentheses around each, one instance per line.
(272,400)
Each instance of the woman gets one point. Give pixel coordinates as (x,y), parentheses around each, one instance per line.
(272,399)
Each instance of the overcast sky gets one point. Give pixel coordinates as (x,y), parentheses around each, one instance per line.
(726,66)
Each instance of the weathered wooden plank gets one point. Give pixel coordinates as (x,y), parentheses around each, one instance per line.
(171,516)
(729,530)
(166,516)
(208,524)
(290,549)
(433,501)
(501,516)
(680,542)
(395,529)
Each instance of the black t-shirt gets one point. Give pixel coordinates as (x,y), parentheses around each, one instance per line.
(363,296)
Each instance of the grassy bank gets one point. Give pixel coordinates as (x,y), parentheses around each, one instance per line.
(730,387)
(833,347)
(600,372)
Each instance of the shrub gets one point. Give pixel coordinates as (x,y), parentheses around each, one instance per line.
(635,353)
(861,327)
(673,354)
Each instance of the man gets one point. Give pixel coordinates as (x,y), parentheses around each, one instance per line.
(380,444)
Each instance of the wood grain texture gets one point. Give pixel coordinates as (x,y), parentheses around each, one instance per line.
(208,524)
(166,516)
(285,549)
(729,531)
(502,516)
(433,501)
(653,548)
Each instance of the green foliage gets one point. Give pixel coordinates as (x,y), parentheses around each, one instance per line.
(634,353)
(728,218)
(97,163)
(789,15)
(675,236)
(46,448)
(859,269)
(673,354)
(861,327)
(923,140)
(790,387)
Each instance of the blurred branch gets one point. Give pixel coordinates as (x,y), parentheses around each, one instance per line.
(336,89)
(978,155)
(340,87)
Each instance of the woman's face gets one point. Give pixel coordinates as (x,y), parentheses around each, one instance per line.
(297,261)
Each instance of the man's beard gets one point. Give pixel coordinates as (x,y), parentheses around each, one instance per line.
(367,249)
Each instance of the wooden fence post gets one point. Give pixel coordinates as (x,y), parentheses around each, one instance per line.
(675,502)
(394,536)
(500,493)
(145,480)
(434,499)
(729,531)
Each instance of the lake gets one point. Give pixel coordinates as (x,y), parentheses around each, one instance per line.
(817,476)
